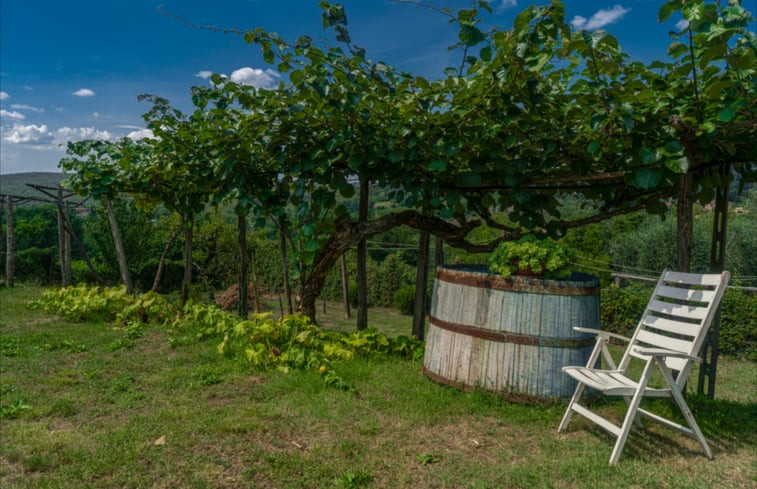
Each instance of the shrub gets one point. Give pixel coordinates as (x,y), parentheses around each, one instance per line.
(82,303)
(738,324)
(36,264)
(621,308)
(404,299)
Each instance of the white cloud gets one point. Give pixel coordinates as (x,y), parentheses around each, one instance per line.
(600,19)
(4,96)
(204,74)
(95,114)
(12,115)
(255,76)
(128,126)
(682,24)
(44,138)
(578,22)
(38,110)
(141,134)
(506,4)
(65,134)
(31,134)
(84,92)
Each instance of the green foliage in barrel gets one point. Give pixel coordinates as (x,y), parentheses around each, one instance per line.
(531,256)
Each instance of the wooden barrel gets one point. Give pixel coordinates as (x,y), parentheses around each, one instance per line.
(509,335)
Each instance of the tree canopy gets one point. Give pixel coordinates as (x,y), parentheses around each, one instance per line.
(534,113)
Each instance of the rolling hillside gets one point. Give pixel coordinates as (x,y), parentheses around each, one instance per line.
(17,183)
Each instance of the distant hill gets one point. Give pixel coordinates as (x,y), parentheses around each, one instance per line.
(16,183)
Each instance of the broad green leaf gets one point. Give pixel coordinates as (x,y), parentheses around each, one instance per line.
(647,178)
(437,165)
(678,165)
(648,156)
(673,147)
(726,115)
(346,190)
(486,53)
(470,35)
(667,10)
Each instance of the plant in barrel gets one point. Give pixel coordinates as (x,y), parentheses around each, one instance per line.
(531,256)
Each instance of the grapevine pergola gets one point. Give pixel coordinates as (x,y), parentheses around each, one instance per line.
(535,112)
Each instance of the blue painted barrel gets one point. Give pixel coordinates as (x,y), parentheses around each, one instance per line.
(511,336)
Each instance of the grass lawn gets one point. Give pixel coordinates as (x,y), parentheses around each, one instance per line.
(78,409)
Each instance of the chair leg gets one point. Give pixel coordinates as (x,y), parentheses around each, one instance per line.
(636,419)
(599,348)
(569,411)
(633,406)
(686,411)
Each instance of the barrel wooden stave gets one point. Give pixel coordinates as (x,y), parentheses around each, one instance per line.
(524,353)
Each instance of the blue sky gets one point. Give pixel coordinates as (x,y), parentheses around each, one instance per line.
(73,70)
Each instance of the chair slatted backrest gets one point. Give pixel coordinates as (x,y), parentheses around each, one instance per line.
(678,316)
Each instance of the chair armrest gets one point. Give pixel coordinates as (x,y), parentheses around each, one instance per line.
(603,334)
(661,352)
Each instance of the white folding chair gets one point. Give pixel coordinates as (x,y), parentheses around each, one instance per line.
(669,335)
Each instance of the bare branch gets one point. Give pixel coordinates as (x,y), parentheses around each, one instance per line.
(225,30)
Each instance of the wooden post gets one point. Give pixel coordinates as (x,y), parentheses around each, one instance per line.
(67,241)
(120,252)
(285,266)
(362,260)
(64,243)
(438,251)
(421,277)
(10,240)
(242,279)
(710,351)
(685,221)
(162,261)
(70,234)
(345,287)
(187,281)
(254,266)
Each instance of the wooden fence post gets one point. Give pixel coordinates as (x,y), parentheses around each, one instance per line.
(10,240)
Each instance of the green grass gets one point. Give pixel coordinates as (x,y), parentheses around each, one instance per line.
(88,415)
